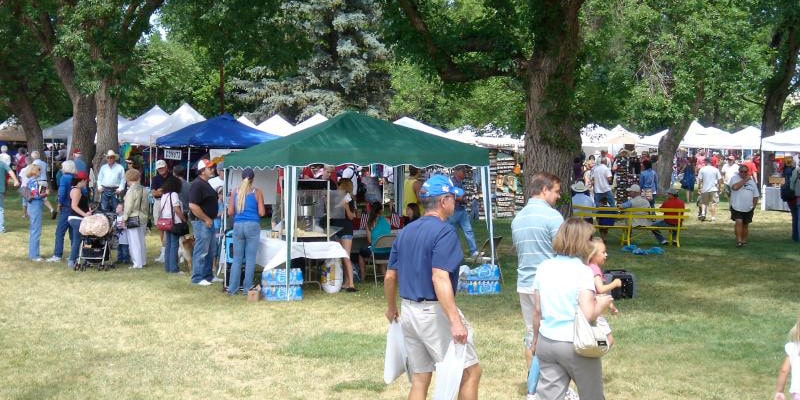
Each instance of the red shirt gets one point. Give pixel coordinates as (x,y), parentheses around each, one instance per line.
(714,160)
(751,166)
(673,202)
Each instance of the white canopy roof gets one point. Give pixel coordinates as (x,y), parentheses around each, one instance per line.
(276,125)
(651,141)
(784,141)
(314,120)
(247,121)
(594,134)
(698,136)
(139,129)
(185,115)
(64,130)
(414,124)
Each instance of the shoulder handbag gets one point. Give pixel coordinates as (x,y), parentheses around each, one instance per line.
(165,224)
(133,221)
(589,340)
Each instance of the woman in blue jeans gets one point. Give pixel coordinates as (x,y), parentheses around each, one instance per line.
(79,208)
(246,207)
(35,204)
(170,207)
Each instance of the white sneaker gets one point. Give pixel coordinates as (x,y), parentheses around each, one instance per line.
(53,259)
(204,283)
(216,279)
(159,259)
(37,259)
(475,254)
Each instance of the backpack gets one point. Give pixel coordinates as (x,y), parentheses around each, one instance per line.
(787,194)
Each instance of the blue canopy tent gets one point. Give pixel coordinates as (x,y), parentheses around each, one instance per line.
(221,132)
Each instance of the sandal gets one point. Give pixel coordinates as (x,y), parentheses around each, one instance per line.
(350,290)
(739,244)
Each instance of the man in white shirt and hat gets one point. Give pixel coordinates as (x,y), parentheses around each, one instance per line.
(110,182)
(580,195)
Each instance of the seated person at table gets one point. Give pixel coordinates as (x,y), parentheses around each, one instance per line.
(636,200)
(580,197)
(672,201)
(412,213)
(604,221)
(377,226)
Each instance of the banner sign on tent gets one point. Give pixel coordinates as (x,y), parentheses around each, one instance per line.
(172,154)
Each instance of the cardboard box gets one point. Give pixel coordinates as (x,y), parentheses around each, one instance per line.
(254,294)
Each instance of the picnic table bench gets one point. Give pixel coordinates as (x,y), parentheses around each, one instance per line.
(622,219)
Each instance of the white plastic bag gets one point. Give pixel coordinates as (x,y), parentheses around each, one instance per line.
(332,274)
(449,372)
(395,362)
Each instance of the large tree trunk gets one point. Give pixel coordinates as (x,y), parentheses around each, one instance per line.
(107,138)
(20,104)
(666,152)
(84,125)
(221,92)
(669,142)
(786,41)
(551,140)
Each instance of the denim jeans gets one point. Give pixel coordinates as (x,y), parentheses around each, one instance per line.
(204,251)
(460,218)
(2,212)
(35,233)
(658,234)
(608,195)
(171,244)
(62,227)
(123,254)
(246,239)
(75,225)
(108,200)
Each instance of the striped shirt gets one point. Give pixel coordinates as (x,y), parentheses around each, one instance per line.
(533,231)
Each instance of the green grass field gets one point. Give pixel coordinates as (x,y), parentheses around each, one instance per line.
(709,323)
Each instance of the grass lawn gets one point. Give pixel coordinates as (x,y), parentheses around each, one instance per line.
(709,323)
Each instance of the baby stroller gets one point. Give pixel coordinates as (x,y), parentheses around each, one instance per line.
(99,235)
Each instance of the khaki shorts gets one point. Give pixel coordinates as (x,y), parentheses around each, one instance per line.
(526,304)
(709,198)
(426,331)
(156,210)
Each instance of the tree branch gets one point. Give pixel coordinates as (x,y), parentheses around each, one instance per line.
(447,69)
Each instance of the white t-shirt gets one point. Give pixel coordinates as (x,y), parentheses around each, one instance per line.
(792,350)
(728,171)
(709,176)
(166,210)
(559,280)
(600,175)
(742,199)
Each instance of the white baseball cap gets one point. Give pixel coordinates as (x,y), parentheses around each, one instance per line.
(161,164)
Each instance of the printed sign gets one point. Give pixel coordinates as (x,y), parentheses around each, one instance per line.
(172,154)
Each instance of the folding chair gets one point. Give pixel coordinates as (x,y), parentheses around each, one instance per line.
(480,258)
(383,242)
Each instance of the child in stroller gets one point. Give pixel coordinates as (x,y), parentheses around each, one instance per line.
(99,233)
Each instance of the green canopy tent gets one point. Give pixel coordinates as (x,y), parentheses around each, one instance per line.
(355,138)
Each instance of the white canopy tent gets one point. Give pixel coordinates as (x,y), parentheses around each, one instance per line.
(651,141)
(276,125)
(63,130)
(784,141)
(315,119)
(247,122)
(185,115)
(414,124)
(140,127)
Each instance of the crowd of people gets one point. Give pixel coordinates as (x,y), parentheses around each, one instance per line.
(631,182)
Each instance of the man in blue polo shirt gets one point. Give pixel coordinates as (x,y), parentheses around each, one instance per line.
(424,264)
(532,231)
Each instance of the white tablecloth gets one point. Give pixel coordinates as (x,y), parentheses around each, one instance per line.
(272,252)
(772,199)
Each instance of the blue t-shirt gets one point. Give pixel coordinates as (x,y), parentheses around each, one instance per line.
(381,228)
(428,242)
(250,211)
(64,185)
